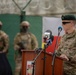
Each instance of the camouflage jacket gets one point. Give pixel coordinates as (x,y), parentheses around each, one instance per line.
(28,42)
(4,41)
(67,46)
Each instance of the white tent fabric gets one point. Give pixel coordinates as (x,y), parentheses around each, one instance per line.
(52,24)
(38,7)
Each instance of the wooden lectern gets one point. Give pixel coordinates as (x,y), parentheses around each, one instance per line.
(30,55)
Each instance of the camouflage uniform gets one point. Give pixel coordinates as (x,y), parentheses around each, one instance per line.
(67,46)
(5,68)
(29,42)
(4,42)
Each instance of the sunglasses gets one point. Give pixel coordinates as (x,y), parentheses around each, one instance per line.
(65,22)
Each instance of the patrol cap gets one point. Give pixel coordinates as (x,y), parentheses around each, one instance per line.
(25,23)
(0,23)
(68,17)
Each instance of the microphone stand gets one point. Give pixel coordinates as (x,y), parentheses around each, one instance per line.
(34,60)
(54,54)
(45,46)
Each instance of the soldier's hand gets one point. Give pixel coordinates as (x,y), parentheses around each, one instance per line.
(64,57)
(16,47)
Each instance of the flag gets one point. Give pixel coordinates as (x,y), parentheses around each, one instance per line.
(52,23)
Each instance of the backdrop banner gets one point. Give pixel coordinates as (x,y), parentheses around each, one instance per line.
(52,24)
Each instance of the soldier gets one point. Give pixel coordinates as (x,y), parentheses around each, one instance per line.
(5,68)
(23,40)
(67,46)
(4,40)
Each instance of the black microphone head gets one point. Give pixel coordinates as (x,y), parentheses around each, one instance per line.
(52,37)
(47,34)
(49,31)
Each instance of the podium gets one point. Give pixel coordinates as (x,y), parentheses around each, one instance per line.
(28,56)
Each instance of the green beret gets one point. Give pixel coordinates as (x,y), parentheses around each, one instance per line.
(68,17)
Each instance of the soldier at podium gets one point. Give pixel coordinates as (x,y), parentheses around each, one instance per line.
(67,46)
(23,40)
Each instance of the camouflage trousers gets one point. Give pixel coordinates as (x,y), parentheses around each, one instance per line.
(18,66)
(69,73)
(68,70)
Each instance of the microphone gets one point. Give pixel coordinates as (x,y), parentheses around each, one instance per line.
(59,30)
(50,40)
(48,37)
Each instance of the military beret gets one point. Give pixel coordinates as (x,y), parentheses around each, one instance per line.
(68,17)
